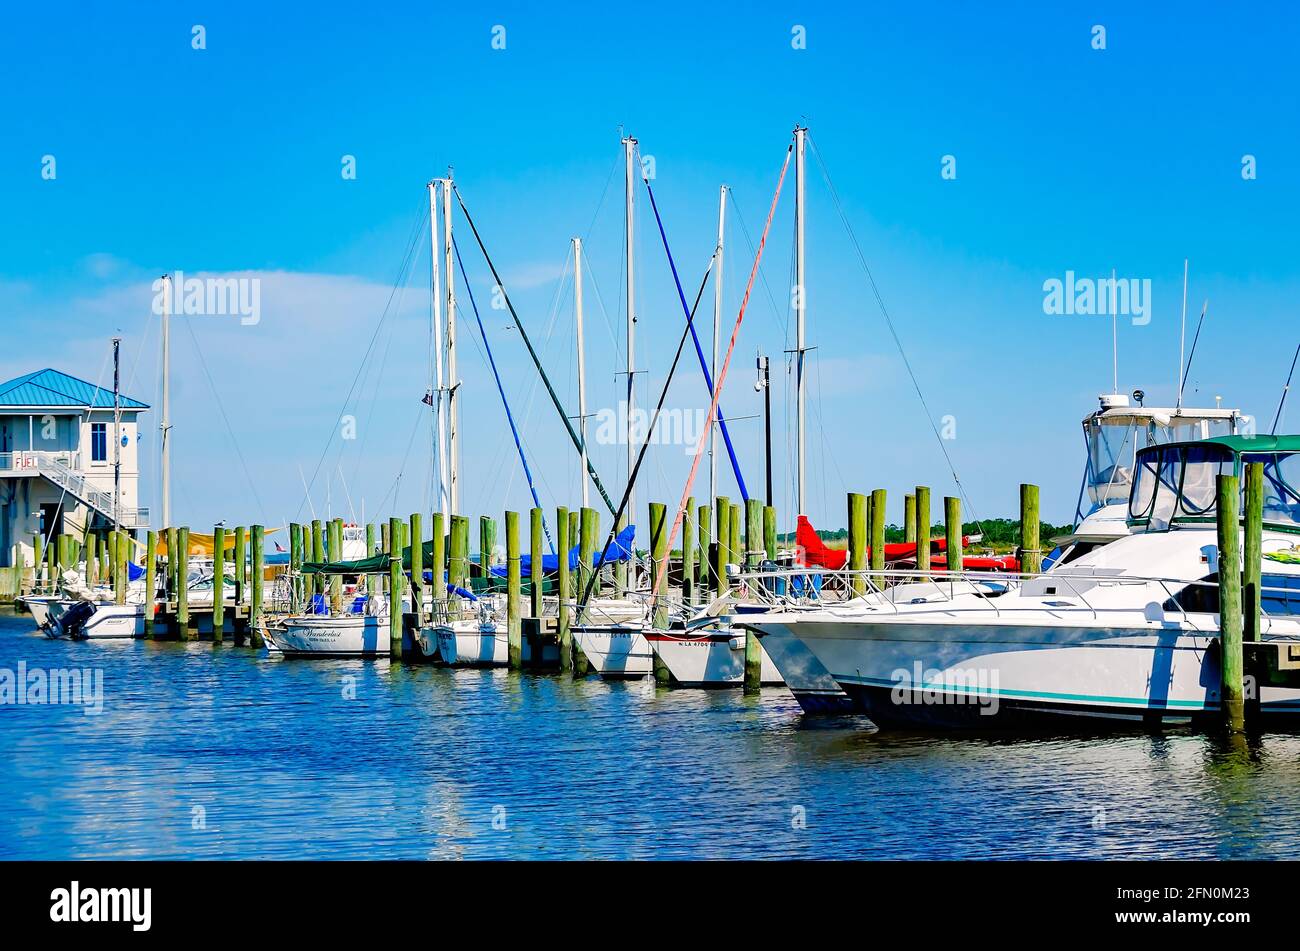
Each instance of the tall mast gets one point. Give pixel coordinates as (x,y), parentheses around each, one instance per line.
(117,434)
(629,155)
(717,325)
(582,368)
(799,307)
(165,424)
(436,389)
(453,427)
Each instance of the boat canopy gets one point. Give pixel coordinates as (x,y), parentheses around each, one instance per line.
(374,565)
(1116,433)
(1177,482)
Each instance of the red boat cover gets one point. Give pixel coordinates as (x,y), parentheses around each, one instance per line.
(814,552)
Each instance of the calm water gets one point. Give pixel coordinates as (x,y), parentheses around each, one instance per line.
(223,752)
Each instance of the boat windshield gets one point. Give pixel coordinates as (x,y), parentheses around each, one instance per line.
(1179,482)
(1281,485)
(1114,440)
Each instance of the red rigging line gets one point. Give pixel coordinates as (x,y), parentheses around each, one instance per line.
(722,373)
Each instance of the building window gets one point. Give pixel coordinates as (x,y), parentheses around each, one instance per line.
(99,442)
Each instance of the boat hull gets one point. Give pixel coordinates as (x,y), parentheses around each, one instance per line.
(330,636)
(714,658)
(616,651)
(1007,675)
(811,684)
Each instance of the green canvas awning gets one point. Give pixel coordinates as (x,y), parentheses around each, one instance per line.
(374,565)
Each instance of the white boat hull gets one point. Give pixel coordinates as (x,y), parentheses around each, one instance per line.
(616,651)
(711,658)
(997,674)
(356,635)
(809,681)
(469,643)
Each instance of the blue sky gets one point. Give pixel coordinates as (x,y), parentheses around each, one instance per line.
(226,160)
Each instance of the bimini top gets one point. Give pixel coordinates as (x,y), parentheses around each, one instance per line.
(1177,482)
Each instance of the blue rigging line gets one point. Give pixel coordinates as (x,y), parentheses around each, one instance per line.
(699,351)
(504,402)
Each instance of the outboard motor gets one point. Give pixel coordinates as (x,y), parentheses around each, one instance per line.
(74,619)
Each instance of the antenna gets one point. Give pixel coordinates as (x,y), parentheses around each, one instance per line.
(1182,338)
(1285,389)
(1192,356)
(1114,331)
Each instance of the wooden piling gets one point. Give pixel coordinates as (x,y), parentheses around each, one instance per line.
(1031,554)
(92,565)
(952,531)
(1252,557)
(536,576)
(619,570)
(395,592)
(256,584)
(877,533)
(562,588)
(241,565)
(182,584)
(923,523)
(458,567)
(586,553)
(150,584)
(658,555)
(909,517)
(704,524)
(857,557)
(386,546)
(754,551)
(336,554)
(514,594)
(1231,662)
(439,559)
(119,567)
(416,534)
(575,527)
(487,542)
(38,555)
(735,549)
(317,555)
(295,568)
(769,532)
(688,552)
(219,580)
(588,526)
(722,531)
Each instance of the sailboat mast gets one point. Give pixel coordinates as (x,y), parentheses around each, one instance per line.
(438,408)
(800,134)
(453,426)
(165,424)
(582,368)
(717,325)
(629,155)
(117,434)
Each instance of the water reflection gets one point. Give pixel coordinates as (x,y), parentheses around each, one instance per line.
(223,752)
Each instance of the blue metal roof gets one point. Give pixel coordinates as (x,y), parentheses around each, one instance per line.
(51,388)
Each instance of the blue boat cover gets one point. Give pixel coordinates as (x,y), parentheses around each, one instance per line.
(620,549)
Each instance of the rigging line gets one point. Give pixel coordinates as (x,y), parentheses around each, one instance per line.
(645,444)
(1188,368)
(889,323)
(559,408)
(722,373)
(699,351)
(510,418)
(394,488)
(221,408)
(412,242)
(1282,402)
(762,276)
